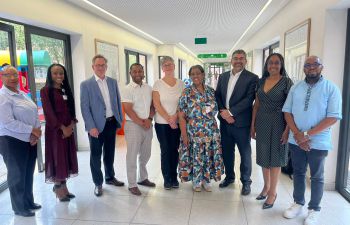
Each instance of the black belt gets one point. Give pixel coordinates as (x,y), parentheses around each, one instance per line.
(108,119)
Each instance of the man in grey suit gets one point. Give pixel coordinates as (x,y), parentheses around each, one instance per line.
(235,94)
(102,114)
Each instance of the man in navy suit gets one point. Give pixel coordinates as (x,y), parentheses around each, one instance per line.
(235,93)
(102,114)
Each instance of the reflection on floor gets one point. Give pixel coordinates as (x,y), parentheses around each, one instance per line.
(3,170)
(158,206)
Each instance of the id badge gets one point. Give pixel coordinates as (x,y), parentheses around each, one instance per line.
(64,97)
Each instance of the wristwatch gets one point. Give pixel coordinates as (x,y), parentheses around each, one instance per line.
(150,118)
(306,134)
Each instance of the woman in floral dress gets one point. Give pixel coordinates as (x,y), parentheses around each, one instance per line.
(200,150)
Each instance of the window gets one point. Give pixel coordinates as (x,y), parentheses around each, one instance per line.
(343,163)
(35,50)
(161,74)
(132,57)
(180,61)
(274,48)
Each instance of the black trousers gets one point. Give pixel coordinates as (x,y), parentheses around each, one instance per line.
(19,158)
(230,136)
(169,140)
(105,143)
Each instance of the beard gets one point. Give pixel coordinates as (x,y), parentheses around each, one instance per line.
(312,78)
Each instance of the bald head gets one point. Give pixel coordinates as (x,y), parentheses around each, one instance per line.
(312,59)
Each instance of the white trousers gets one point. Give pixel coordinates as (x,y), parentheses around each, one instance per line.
(139,144)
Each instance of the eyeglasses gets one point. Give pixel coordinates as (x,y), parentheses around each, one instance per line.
(309,65)
(168,64)
(307,98)
(15,75)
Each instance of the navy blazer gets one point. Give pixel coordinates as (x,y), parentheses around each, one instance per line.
(92,104)
(241,99)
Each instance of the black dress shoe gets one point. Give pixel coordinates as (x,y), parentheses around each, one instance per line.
(267,205)
(175,184)
(34,206)
(225,183)
(98,191)
(25,213)
(261,197)
(167,185)
(115,182)
(246,189)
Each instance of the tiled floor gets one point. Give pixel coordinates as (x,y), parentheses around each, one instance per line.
(158,206)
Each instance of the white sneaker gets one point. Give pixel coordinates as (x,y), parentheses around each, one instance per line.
(207,186)
(312,217)
(197,187)
(293,211)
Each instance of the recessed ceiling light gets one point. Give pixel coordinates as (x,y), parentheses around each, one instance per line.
(250,26)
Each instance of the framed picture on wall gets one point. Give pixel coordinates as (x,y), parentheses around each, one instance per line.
(111,52)
(296,49)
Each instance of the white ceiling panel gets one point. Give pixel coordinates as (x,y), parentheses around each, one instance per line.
(222,22)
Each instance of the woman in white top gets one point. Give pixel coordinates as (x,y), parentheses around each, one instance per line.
(19,133)
(166,94)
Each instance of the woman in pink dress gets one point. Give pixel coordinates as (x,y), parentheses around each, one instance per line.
(60,147)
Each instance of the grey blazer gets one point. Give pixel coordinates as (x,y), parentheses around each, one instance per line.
(92,104)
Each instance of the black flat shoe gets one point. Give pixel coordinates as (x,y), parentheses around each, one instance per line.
(70,195)
(26,213)
(261,197)
(267,205)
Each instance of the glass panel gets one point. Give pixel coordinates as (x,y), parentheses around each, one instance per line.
(348,179)
(266,54)
(46,51)
(4,48)
(4,58)
(142,61)
(132,59)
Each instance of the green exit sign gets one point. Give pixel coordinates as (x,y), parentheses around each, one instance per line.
(200,41)
(213,56)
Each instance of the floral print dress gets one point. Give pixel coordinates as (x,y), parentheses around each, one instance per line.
(202,159)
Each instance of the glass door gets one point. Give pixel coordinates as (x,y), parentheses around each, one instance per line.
(44,48)
(7,55)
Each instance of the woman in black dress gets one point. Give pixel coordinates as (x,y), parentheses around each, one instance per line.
(269,127)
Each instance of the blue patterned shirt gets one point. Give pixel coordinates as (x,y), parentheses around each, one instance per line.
(309,109)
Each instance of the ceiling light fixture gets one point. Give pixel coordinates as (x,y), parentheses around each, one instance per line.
(250,26)
(192,53)
(122,21)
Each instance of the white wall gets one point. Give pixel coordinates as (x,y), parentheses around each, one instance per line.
(327,40)
(83,28)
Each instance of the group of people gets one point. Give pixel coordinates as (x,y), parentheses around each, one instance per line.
(281,117)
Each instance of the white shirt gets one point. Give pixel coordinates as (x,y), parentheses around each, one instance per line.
(231,86)
(169,97)
(102,84)
(18,114)
(140,97)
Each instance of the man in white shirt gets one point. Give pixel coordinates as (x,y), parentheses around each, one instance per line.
(102,114)
(137,103)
